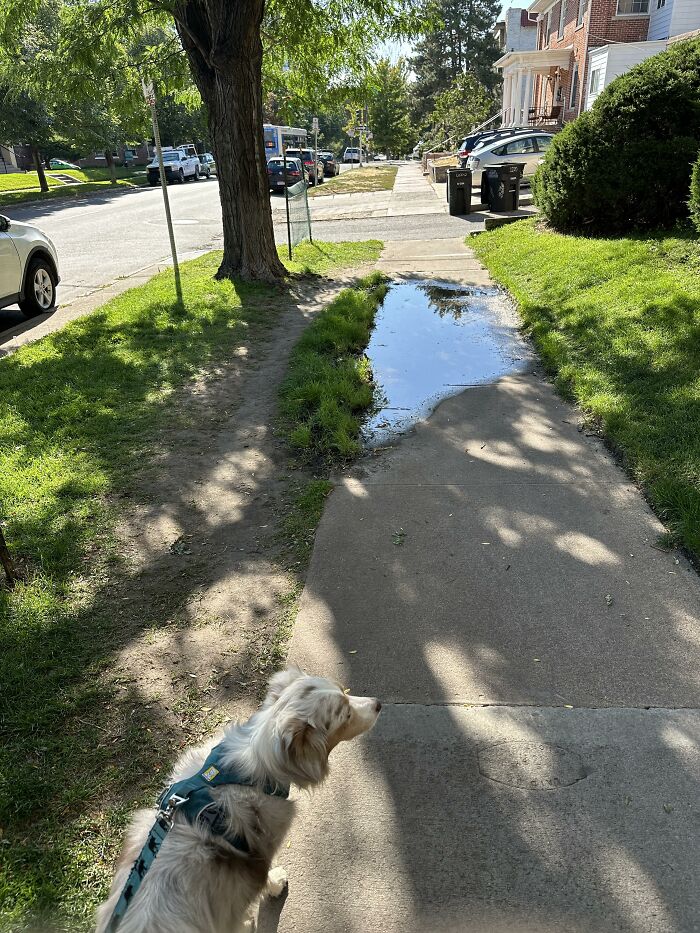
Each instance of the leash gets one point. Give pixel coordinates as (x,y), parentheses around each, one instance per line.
(191,797)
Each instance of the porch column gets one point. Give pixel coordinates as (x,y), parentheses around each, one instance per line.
(508,99)
(519,92)
(528,95)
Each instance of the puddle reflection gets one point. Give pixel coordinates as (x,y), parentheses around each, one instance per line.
(430,341)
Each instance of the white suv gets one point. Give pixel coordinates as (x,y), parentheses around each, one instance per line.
(28,268)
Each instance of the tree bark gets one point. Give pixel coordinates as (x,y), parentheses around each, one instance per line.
(110,165)
(7,562)
(224,48)
(39,165)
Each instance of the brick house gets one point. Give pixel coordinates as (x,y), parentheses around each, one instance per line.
(582,45)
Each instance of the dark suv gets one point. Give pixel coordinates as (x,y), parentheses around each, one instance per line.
(314,170)
(478,139)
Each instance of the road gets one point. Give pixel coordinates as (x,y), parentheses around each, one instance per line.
(111,241)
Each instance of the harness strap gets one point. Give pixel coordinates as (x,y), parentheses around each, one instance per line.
(193,798)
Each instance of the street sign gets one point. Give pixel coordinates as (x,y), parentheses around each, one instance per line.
(149,94)
(314,125)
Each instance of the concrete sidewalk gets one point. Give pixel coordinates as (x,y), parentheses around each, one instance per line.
(536,766)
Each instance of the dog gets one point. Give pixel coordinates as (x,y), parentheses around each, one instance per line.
(202,883)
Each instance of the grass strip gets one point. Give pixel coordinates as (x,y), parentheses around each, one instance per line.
(80,417)
(62,192)
(371,178)
(329,383)
(618,323)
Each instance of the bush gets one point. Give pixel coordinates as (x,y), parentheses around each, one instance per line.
(694,203)
(626,163)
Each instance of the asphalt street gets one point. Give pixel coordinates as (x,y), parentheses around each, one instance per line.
(106,239)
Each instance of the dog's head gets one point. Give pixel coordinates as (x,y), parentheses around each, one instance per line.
(309,717)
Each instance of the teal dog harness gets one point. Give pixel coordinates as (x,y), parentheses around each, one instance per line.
(191,797)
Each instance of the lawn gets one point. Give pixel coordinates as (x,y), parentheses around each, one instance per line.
(369,178)
(21,187)
(618,323)
(80,411)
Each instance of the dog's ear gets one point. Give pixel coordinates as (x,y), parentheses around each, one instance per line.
(279,682)
(307,750)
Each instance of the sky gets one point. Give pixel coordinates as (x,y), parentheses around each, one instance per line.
(395,50)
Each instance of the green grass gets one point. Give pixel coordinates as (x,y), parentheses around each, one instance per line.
(329,384)
(370,178)
(618,322)
(19,188)
(80,416)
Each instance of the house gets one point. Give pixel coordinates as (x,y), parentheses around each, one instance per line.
(583,45)
(516,32)
(8,161)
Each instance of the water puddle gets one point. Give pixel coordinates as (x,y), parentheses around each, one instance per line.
(432,340)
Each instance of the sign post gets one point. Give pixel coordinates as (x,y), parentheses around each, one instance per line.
(286,200)
(150,98)
(314,127)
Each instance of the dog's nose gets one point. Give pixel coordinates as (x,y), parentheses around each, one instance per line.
(377,705)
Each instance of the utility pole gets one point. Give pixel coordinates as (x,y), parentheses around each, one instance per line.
(150,98)
(314,127)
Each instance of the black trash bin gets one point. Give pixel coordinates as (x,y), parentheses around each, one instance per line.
(500,186)
(459,190)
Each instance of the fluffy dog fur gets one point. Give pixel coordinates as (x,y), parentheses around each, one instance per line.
(201,884)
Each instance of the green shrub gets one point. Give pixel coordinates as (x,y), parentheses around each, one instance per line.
(694,202)
(626,163)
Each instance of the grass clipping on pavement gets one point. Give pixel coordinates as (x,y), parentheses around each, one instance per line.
(80,415)
(618,322)
(329,383)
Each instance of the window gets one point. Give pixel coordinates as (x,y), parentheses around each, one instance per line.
(543,143)
(519,146)
(582,7)
(632,7)
(562,19)
(596,81)
(574,88)
(660,3)
(547,27)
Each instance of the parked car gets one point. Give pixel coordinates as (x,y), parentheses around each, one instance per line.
(275,172)
(314,170)
(178,164)
(479,139)
(352,154)
(207,165)
(61,163)
(28,268)
(526,150)
(330,166)
(380,157)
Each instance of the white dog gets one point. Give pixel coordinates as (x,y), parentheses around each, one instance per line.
(200,882)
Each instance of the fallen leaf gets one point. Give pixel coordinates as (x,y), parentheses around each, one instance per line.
(354,651)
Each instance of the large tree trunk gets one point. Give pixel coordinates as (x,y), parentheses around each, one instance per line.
(223,45)
(38,164)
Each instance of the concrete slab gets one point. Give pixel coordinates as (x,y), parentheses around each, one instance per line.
(501,820)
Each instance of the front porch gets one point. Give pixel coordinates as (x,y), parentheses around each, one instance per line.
(533,85)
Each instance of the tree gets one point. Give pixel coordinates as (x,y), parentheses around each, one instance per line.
(463,42)
(389,107)
(25,119)
(463,105)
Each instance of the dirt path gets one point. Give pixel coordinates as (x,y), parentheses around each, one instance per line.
(209,581)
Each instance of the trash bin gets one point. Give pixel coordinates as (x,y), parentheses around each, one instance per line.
(501,186)
(459,190)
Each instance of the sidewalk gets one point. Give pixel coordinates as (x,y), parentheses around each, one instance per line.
(536,766)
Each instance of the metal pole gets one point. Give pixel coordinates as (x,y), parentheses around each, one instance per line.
(286,202)
(166,202)
(316,152)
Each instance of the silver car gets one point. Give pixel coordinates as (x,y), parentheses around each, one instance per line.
(527,150)
(28,268)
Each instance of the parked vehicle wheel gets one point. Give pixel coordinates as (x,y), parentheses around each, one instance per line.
(181,177)
(39,290)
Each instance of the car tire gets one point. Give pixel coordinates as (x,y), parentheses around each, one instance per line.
(181,177)
(39,288)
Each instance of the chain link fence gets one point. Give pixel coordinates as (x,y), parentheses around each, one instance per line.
(298,215)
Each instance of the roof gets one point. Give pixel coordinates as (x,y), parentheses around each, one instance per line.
(540,6)
(538,58)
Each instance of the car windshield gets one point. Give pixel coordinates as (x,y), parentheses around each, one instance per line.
(170,156)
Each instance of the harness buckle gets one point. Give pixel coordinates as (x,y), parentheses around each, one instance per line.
(174,801)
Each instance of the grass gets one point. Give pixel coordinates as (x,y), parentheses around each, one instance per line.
(19,188)
(618,323)
(329,383)
(370,178)
(80,415)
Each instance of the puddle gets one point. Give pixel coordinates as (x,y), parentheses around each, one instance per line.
(432,340)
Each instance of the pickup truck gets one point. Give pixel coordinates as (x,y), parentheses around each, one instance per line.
(178,165)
